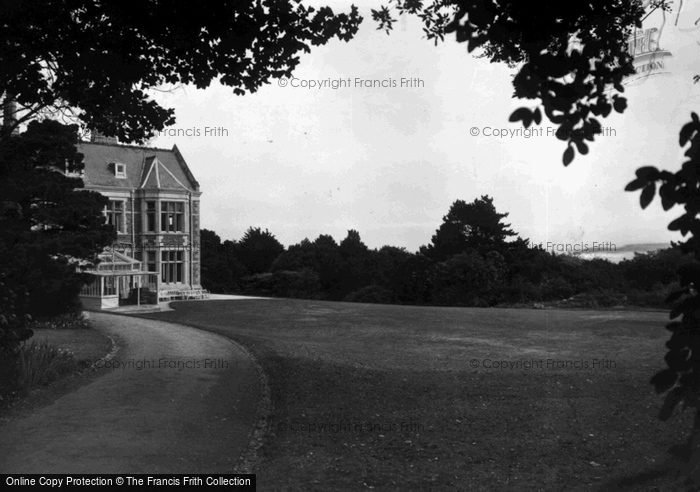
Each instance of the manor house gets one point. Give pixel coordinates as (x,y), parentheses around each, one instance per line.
(154,207)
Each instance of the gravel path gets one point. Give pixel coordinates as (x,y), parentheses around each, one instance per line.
(190,408)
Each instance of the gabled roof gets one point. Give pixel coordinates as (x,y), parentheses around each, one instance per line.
(158,176)
(114,263)
(146,167)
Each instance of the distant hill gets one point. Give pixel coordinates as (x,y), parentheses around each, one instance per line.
(623,253)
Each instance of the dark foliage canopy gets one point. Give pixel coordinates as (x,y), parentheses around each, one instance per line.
(99,58)
(258,249)
(221,268)
(48,225)
(571,56)
(469,226)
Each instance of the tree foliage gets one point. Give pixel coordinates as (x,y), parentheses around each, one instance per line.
(517,273)
(258,249)
(357,263)
(48,226)
(222,271)
(571,57)
(99,59)
(681,380)
(296,258)
(322,256)
(469,226)
(467,279)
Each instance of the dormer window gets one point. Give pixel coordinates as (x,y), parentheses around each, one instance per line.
(119,170)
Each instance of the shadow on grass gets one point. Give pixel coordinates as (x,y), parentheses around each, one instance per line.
(665,476)
(413,398)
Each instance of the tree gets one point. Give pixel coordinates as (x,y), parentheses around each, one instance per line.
(297,258)
(221,269)
(645,271)
(330,265)
(49,226)
(258,249)
(388,260)
(469,226)
(681,380)
(572,59)
(94,62)
(97,60)
(412,282)
(357,267)
(467,279)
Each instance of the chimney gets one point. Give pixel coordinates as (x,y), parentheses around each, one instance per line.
(98,137)
(9,112)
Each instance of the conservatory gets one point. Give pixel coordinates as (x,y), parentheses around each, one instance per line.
(117,281)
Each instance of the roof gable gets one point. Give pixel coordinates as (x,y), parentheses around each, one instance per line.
(146,167)
(157,175)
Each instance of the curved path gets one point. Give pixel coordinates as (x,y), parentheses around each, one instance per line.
(159,419)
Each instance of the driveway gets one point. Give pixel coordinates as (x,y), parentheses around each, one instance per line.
(174,399)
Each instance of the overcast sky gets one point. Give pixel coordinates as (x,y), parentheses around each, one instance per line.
(389,161)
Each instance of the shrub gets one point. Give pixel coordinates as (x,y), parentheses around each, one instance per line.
(67,321)
(301,285)
(595,299)
(554,288)
(519,291)
(374,294)
(457,295)
(412,280)
(652,299)
(9,374)
(41,363)
(468,279)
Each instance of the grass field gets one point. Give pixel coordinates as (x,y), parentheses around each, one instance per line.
(411,398)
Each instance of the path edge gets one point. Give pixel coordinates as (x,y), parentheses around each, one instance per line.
(250,457)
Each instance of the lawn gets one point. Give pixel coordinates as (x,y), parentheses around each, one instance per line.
(412,398)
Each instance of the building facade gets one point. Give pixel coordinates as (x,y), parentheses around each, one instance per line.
(154,207)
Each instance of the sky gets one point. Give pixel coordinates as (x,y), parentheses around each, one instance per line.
(388,161)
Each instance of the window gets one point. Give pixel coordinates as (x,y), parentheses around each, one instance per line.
(115,215)
(110,287)
(172,216)
(151,261)
(171,267)
(92,288)
(151,216)
(120,170)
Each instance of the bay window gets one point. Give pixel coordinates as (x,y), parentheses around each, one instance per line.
(172,216)
(171,266)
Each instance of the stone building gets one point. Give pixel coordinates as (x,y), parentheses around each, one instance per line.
(154,207)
